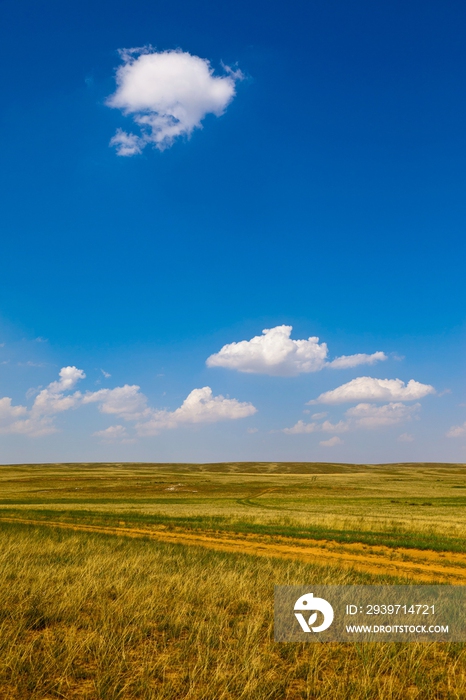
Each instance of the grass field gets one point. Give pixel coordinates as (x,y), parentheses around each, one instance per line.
(156,581)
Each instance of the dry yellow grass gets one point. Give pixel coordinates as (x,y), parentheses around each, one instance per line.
(92,616)
(149,614)
(417,565)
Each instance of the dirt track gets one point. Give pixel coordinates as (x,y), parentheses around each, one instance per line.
(413,564)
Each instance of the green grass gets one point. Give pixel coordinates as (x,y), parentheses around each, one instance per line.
(397,505)
(414,540)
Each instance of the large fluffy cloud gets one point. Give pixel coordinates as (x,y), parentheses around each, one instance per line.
(275,353)
(168,94)
(371,389)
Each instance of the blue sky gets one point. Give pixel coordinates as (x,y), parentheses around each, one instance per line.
(293,166)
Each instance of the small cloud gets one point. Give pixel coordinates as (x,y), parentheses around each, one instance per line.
(367,415)
(457,431)
(371,389)
(361,358)
(2,345)
(251,431)
(33,392)
(332,442)
(52,399)
(445,391)
(160,374)
(41,340)
(115,433)
(301,427)
(127,144)
(405,437)
(106,374)
(363,416)
(168,94)
(340,427)
(318,416)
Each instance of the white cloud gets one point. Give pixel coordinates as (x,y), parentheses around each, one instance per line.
(38,420)
(69,376)
(32,427)
(371,389)
(457,431)
(127,144)
(275,353)
(331,442)
(168,94)
(50,403)
(363,416)
(125,401)
(361,358)
(318,416)
(405,437)
(18,420)
(51,400)
(251,431)
(115,433)
(301,427)
(9,412)
(366,415)
(107,375)
(200,406)
(340,427)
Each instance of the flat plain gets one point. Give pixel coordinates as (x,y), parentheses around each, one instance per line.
(156,580)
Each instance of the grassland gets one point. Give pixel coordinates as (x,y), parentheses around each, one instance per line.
(164,587)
